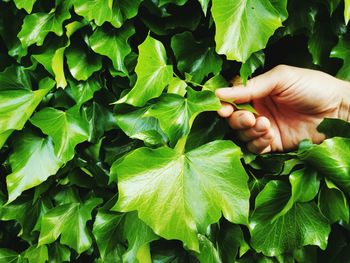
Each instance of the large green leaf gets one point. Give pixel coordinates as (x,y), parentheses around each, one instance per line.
(83,91)
(67,129)
(176,113)
(243,26)
(153,73)
(341,50)
(302,225)
(195,57)
(32,162)
(36,26)
(69,222)
(114,11)
(111,228)
(331,159)
(113,44)
(161,189)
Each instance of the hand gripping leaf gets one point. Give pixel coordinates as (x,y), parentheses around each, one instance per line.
(180,195)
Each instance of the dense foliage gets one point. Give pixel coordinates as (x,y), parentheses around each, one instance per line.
(111,150)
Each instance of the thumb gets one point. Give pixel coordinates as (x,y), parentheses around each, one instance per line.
(256,88)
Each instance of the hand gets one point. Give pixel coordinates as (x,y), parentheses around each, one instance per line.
(291,103)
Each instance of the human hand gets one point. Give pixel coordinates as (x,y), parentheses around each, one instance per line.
(291,103)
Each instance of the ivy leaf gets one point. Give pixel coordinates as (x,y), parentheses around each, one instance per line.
(208,252)
(341,50)
(69,221)
(195,57)
(333,203)
(176,2)
(67,129)
(153,74)
(111,228)
(237,21)
(334,127)
(161,189)
(25,4)
(10,256)
(302,225)
(135,124)
(83,91)
(32,162)
(177,86)
(36,254)
(36,26)
(116,12)
(58,253)
(81,64)
(255,61)
(215,83)
(176,113)
(113,44)
(18,101)
(334,166)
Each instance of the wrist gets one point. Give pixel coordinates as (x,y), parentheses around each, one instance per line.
(344,107)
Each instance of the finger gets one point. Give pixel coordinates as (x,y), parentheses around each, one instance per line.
(256,88)
(241,120)
(261,126)
(262,143)
(225,110)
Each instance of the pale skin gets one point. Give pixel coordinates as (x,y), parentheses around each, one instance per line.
(291,103)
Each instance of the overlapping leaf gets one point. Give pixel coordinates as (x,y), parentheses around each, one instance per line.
(153,73)
(243,27)
(161,189)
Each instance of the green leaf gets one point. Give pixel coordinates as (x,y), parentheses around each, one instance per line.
(334,127)
(331,159)
(116,12)
(208,252)
(10,256)
(255,61)
(176,2)
(302,225)
(195,57)
(153,74)
(83,91)
(111,228)
(36,26)
(32,162)
(69,222)
(237,21)
(25,4)
(333,203)
(67,129)
(18,101)
(81,64)
(305,187)
(58,253)
(36,254)
(215,83)
(177,86)
(341,50)
(137,125)
(113,44)
(176,114)
(161,189)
